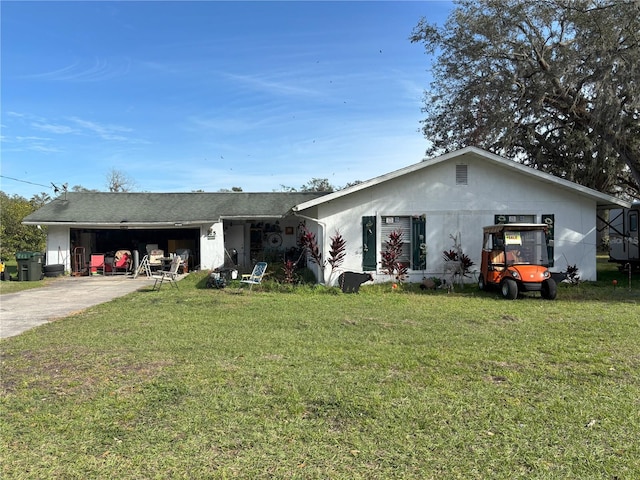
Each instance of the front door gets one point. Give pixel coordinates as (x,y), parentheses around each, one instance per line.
(234,246)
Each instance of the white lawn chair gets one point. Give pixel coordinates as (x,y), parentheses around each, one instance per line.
(170,275)
(256,276)
(156,257)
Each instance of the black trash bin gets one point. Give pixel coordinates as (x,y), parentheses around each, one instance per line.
(23,259)
(29,266)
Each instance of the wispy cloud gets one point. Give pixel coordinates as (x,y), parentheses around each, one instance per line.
(28,143)
(32,139)
(53,128)
(99,69)
(272,86)
(106,132)
(43,148)
(75,126)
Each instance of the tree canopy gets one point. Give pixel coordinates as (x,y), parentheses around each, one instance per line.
(551,83)
(119,181)
(14,236)
(313,185)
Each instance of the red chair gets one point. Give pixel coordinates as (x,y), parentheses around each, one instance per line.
(97,263)
(120,261)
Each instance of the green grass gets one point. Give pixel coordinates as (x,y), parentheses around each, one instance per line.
(13,286)
(310,383)
(11,271)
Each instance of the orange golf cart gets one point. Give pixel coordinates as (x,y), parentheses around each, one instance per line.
(515,260)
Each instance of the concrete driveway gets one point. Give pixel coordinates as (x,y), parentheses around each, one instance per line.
(63,296)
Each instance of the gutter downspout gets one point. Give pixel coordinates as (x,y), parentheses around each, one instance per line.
(323,228)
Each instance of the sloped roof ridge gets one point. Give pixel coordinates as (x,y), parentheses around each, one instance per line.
(478,152)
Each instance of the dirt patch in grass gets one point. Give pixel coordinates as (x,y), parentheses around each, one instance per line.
(74,371)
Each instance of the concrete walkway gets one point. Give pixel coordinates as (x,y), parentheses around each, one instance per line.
(63,296)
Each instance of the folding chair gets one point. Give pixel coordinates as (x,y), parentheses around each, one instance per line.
(155,258)
(256,276)
(170,275)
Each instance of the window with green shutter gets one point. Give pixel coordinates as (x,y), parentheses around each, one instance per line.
(413,230)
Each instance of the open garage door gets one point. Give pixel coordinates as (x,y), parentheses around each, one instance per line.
(107,241)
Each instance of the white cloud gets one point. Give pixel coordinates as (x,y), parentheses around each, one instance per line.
(100,69)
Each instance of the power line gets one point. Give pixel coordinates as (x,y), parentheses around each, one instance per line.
(26,181)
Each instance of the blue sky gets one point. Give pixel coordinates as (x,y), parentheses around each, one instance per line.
(184,96)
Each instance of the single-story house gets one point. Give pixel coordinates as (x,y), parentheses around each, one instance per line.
(219,229)
(431,202)
(454,196)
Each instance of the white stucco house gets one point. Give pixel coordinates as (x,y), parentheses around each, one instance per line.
(451,195)
(456,195)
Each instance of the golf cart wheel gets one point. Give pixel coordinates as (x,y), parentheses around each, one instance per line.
(509,289)
(549,289)
(481,284)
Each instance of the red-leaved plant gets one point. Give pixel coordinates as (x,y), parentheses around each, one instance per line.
(310,244)
(337,252)
(391,264)
(289,268)
(465,262)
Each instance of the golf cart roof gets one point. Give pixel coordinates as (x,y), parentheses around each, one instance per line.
(501,227)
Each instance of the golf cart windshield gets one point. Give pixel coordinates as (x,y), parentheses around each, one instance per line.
(526,247)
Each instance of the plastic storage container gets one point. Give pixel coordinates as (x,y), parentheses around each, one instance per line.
(29,266)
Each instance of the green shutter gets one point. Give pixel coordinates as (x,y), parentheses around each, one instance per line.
(418,245)
(369,244)
(549,219)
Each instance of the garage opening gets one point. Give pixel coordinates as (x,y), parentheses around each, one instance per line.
(109,241)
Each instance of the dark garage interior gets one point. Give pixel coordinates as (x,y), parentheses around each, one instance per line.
(108,241)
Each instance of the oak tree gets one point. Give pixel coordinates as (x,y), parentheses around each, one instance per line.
(551,83)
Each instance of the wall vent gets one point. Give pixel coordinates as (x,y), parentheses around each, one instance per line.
(461,175)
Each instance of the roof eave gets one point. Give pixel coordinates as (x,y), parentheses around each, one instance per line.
(117,224)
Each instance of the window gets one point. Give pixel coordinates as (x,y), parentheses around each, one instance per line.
(461,175)
(414,248)
(633,221)
(413,238)
(548,218)
(391,224)
(514,219)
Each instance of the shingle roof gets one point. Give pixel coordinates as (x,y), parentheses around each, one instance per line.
(149,208)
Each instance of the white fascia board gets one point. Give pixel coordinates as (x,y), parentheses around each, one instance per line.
(118,224)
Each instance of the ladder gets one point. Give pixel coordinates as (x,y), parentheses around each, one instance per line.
(143,267)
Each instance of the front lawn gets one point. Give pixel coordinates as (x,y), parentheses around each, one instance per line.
(197,383)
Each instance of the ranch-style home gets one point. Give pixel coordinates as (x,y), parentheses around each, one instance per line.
(431,203)
(455,195)
(217,229)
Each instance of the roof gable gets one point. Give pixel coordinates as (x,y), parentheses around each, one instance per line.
(602,199)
